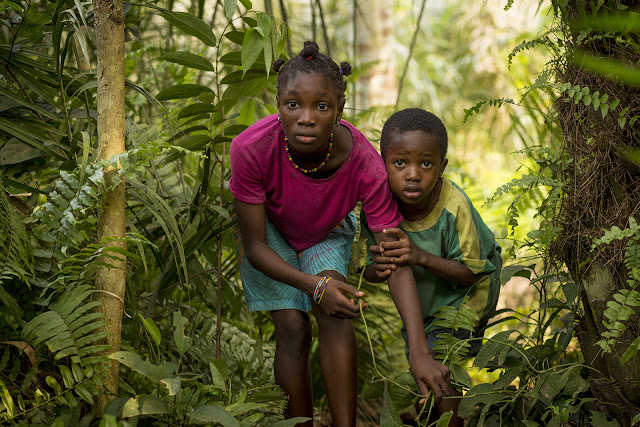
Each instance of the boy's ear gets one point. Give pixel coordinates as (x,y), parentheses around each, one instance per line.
(443,166)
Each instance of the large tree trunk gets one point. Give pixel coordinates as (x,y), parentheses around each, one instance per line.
(602,190)
(110,282)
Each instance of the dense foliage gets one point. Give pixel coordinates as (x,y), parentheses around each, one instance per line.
(191,352)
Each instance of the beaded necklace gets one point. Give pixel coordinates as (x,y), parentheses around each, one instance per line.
(303,170)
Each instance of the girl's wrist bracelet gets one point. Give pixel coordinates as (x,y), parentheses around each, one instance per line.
(318,293)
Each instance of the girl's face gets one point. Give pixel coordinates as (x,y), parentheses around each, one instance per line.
(309,109)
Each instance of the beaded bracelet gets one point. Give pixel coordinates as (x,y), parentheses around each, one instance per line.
(318,293)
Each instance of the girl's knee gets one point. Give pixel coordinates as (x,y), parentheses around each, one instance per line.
(293,327)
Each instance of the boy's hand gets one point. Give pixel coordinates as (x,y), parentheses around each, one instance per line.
(430,375)
(336,304)
(390,255)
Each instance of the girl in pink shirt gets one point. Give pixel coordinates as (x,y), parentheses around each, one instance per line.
(296,177)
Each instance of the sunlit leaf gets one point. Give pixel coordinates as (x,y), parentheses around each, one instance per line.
(251,47)
(144,405)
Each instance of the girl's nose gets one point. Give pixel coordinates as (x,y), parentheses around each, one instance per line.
(306,117)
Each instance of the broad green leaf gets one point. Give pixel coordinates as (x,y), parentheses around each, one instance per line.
(172,384)
(247,4)
(245,90)
(191,25)
(182,91)
(208,414)
(389,417)
(84,394)
(152,329)
(16,151)
(251,47)
(133,361)
(182,343)
(235,36)
(144,405)
(600,419)
(443,421)
(7,400)
(219,372)
(240,76)
(196,109)
(189,59)
(230,8)
(633,349)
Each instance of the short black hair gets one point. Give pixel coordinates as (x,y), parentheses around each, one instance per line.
(310,60)
(412,119)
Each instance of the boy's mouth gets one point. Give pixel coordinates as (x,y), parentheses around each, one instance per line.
(411,192)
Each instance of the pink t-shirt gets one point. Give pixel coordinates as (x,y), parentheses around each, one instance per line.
(304,209)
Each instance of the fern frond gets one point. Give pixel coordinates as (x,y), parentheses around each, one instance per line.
(526,45)
(15,253)
(68,329)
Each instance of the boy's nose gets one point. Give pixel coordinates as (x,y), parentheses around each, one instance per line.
(412,174)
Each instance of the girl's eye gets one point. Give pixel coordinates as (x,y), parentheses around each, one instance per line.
(399,163)
(426,164)
(292,104)
(323,107)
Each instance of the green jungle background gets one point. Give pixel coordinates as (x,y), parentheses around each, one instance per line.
(541,102)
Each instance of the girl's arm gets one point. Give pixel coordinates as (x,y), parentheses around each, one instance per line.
(252,223)
(427,372)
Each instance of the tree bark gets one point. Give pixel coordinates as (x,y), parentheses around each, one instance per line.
(378,86)
(110,282)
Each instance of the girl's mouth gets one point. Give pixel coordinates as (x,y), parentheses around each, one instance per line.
(306,139)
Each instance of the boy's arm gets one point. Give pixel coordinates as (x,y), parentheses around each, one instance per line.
(252,224)
(392,254)
(427,372)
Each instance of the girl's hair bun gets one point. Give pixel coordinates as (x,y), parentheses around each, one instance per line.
(310,50)
(345,68)
(277,64)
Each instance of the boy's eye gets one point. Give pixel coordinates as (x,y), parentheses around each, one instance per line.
(426,164)
(399,163)
(292,104)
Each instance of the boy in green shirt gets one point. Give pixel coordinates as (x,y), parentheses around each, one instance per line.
(451,251)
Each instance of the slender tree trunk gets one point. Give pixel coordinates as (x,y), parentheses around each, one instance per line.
(110,282)
(378,86)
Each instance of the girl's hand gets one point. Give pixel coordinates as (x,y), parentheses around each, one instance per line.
(336,304)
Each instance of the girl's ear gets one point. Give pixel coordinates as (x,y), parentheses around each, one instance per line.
(340,110)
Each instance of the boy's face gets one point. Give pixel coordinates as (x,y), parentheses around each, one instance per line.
(414,164)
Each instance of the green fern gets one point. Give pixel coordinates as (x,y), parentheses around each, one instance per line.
(543,40)
(622,308)
(468,112)
(69,328)
(15,254)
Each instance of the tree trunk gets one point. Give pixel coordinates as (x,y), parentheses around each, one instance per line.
(378,86)
(110,282)
(601,190)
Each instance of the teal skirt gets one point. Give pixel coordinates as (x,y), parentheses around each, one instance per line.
(263,293)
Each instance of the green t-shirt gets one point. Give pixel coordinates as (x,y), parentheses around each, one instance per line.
(454,230)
